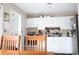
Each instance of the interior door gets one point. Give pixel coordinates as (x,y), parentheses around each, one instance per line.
(14,23)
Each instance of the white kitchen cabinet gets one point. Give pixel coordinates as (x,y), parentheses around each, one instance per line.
(62,22)
(53,44)
(69,45)
(66,45)
(60,45)
(32,22)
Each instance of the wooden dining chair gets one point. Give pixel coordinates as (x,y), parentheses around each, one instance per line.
(0,41)
(36,43)
(10,44)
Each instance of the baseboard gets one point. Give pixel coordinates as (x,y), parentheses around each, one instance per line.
(63,54)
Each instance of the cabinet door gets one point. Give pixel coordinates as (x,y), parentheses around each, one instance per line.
(30,23)
(68,46)
(62,45)
(59,45)
(33,22)
(36,22)
(50,44)
(53,45)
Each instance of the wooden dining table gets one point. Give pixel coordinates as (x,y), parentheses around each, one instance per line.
(10,52)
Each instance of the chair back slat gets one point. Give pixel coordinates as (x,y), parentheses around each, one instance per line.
(8,45)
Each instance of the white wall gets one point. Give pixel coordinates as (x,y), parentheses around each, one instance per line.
(8,6)
(11,26)
(1,23)
(1,19)
(78,28)
(41,23)
(6,27)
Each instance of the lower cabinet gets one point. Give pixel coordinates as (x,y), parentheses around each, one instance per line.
(60,45)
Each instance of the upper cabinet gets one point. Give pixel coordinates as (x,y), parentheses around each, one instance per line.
(62,22)
(33,22)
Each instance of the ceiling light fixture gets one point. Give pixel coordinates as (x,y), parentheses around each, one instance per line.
(49,3)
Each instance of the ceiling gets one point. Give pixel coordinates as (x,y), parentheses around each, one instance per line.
(50,9)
